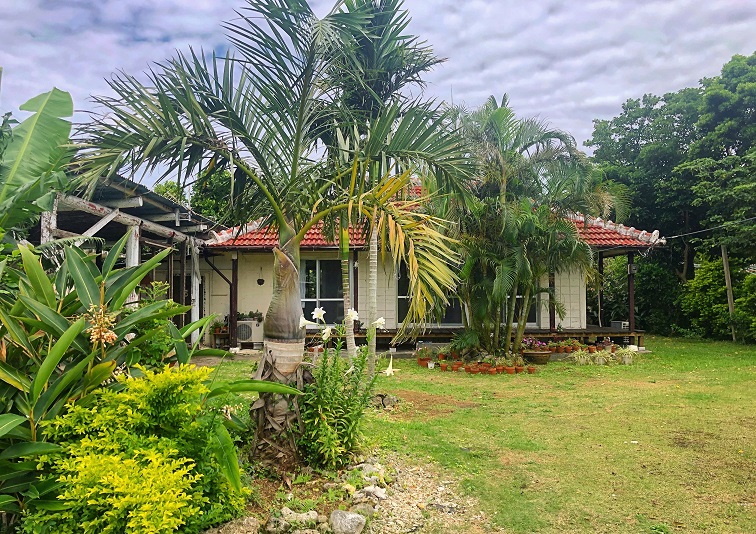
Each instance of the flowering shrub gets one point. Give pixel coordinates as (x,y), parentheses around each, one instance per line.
(530,343)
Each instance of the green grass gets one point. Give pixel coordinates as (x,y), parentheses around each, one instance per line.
(665,445)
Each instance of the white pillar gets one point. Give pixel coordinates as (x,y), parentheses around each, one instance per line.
(133,257)
(195,290)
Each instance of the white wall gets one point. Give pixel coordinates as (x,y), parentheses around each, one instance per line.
(570,291)
(570,288)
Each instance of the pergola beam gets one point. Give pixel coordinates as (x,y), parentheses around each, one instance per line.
(93,208)
(99,225)
(131,202)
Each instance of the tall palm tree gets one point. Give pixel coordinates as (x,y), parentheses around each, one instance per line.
(389,60)
(532,176)
(265,113)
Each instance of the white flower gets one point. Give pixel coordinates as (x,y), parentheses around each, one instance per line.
(380,323)
(326,333)
(351,315)
(304,322)
(318,314)
(130,336)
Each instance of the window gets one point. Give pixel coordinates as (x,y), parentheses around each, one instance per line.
(452,315)
(320,286)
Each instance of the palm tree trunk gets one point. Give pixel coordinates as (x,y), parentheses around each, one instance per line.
(510,317)
(372,294)
(277,416)
(523,318)
(497,327)
(346,287)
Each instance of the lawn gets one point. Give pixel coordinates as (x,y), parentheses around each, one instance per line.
(665,445)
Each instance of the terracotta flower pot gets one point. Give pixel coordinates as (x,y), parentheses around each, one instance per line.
(509,370)
(444,366)
(423,362)
(519,368)
(560,350)
(568,350)
(492,371)
(500,368)
(591,349)
(537,357)
(441,356)
(531,370)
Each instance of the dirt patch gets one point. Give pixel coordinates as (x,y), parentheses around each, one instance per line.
(691,439)
(417,403)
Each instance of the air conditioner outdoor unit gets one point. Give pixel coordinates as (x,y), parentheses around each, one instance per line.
(620,325)
(249,332)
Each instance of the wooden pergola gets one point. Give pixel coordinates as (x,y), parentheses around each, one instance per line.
(118,206)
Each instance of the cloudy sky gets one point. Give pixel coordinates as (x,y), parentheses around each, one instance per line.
(566,61)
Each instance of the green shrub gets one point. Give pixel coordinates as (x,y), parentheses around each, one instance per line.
(704,300)
(332,408)
(159,343)
(145,459)
(745,309)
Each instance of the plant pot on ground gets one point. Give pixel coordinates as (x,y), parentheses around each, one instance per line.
(540,357)
(531,370)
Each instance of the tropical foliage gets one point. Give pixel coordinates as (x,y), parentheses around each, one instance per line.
(32,157)
(687,158)
(147,456)
(514,233)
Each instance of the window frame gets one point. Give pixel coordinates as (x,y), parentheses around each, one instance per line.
(318,299)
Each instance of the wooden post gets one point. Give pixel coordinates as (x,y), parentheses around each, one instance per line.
(232,338)
(194,313)
(552,307)
(631,289)
(182,282)
(600,288)
(730,296)
(48,224)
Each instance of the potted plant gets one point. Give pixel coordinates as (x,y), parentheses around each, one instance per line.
(624,356)
(217,326)
(602,357)
(531,369)
(535,351)
(424,355)
(581,357)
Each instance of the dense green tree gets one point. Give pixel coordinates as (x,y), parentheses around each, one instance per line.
(172,191)
(688,161)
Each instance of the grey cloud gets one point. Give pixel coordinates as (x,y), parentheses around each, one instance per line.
(566,62)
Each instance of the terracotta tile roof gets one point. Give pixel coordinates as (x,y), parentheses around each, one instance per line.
(597,233)
(601,234)
(265,239)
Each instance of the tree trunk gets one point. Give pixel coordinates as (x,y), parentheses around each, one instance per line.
(346,287)
(277,416)
(372,295)
(522,320)
(510,318)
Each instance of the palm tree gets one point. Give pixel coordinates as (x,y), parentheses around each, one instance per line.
(389,60)
(532,176)
(266,114)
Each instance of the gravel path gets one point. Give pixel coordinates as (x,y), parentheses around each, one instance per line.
(421,500)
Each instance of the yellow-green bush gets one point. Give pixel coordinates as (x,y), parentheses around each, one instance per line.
(150,458)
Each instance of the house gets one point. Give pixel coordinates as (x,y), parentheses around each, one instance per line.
(223,271)
(241,270)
